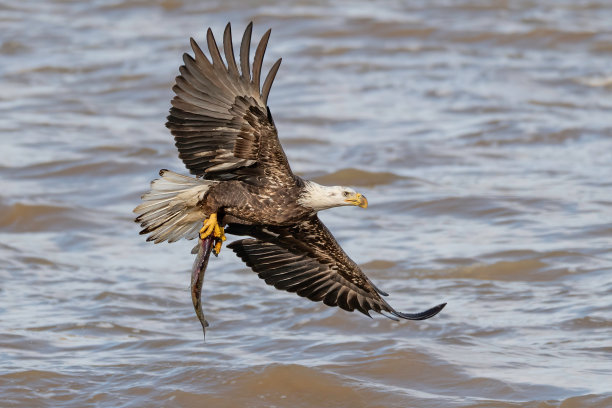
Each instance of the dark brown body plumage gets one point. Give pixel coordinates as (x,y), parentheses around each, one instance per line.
(241,202)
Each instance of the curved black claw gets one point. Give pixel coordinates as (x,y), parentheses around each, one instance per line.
(422,315)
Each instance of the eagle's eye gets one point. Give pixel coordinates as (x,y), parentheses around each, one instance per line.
(346,193)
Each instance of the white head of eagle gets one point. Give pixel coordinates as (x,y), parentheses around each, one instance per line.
(320,197)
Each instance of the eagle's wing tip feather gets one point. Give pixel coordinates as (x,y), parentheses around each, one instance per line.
(427,314)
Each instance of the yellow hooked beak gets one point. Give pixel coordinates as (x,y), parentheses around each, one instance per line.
(358,200)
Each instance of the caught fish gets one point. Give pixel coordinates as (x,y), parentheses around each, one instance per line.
(205,247)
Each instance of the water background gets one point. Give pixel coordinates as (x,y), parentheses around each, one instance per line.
(480,131)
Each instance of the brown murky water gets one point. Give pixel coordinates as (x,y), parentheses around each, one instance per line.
(480,131)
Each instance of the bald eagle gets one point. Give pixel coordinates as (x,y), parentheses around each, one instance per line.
(244,186)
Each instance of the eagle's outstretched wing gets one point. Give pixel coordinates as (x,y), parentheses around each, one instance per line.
(306,259)
(219,117)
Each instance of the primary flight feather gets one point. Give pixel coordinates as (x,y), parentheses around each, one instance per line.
(243,185)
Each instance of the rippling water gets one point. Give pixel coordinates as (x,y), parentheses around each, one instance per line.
(480,131)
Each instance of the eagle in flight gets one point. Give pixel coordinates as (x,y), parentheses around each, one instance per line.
(244,186)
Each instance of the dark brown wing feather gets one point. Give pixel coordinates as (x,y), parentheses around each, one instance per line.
(306,259)
(219,117)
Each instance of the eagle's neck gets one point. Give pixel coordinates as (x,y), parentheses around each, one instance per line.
(317,197)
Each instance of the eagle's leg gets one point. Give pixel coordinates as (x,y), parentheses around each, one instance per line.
(211,226)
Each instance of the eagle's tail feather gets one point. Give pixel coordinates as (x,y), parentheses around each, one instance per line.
(171,210)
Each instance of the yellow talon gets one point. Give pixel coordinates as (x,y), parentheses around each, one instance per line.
(219,238)
(217,247)
(222,234)
(209,226)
